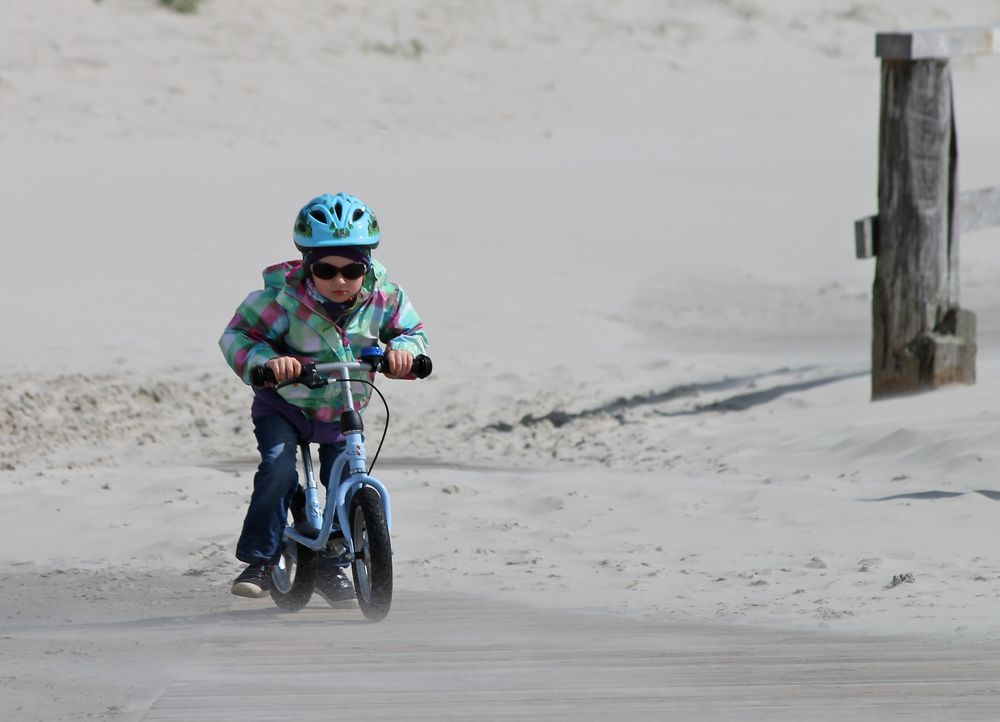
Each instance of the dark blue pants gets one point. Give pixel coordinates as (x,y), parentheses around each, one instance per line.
(274,486)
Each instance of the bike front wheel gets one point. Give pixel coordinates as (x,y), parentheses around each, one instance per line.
(372,565)
(294,576)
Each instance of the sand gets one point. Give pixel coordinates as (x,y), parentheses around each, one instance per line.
(628,228)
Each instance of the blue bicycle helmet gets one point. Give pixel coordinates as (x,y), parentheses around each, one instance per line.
(335,221)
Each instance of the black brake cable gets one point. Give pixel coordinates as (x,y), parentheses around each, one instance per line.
(385,429)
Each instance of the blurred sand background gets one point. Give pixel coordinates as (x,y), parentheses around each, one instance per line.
(628,227)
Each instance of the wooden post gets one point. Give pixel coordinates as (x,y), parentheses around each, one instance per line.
(915,303)
(921,338)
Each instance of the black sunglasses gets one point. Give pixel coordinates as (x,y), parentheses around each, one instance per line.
(327,271)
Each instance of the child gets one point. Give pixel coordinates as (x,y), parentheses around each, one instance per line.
(327,307)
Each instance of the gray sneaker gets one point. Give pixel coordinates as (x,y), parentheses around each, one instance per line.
(254,582)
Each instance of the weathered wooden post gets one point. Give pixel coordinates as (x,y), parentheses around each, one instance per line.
(921,337)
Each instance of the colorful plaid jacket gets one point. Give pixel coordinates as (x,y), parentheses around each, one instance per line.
(283,319)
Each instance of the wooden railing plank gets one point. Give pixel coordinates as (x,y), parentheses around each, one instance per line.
(866,237)
(979,209)
(940,44)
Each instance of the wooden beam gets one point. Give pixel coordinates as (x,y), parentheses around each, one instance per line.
(940,44)
(979,209)
(866,237)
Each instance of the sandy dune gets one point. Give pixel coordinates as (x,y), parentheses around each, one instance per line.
(628,228)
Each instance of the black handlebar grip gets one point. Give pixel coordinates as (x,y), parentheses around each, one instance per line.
(422,366)
(261,376)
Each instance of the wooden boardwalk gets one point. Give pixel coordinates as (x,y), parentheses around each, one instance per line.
(454,658)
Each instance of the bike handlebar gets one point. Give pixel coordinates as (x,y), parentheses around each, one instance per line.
(313,374)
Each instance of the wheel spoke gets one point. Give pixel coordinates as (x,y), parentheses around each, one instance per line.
(283,573)
(360,564)
(293,576)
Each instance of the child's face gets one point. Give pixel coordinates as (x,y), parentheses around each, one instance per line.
(338,288)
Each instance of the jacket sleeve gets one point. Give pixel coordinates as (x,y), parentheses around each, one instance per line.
(401,327)
(254,335)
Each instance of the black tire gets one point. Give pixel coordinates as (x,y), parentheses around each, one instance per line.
(372,566)
(294,577)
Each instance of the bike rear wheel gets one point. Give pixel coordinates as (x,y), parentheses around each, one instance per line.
(294,576)
(372,565)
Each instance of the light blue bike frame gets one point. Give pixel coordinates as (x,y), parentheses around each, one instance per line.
(353,456)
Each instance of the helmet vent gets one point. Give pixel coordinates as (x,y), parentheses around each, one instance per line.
(319,215)
(338,209)
(358,212)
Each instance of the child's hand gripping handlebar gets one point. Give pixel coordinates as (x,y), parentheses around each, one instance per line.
(316,375)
